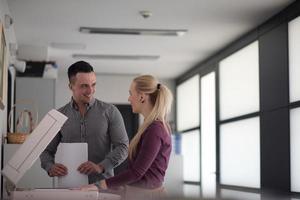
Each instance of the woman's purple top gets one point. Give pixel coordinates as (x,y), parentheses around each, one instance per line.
(147,168)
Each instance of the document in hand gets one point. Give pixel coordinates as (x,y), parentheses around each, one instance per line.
(72,155)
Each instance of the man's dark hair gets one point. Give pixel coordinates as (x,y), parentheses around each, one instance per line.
(80,66)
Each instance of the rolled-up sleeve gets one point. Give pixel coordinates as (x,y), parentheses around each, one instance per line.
(48,155)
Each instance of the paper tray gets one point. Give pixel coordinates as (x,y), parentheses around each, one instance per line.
(61,194)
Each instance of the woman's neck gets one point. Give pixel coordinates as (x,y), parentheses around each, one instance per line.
(146,111)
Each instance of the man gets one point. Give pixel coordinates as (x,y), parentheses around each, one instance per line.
(90,120)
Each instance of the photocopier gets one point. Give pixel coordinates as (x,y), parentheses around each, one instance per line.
(29,152)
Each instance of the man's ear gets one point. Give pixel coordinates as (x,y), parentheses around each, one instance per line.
(70,86)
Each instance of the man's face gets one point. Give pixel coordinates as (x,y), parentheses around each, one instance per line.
(83,86)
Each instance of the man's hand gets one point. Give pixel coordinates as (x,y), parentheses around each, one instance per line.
(89,168)
(58,170)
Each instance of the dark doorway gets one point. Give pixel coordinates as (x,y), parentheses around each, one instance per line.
(131,122)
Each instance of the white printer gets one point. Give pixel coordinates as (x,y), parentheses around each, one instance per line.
(30,151)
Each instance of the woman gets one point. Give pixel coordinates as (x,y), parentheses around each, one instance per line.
(150,149)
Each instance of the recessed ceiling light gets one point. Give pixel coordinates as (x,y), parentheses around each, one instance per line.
(67,46)
(116,57)
(128,31)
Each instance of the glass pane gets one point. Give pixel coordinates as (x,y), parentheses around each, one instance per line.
(294,59)
(191,191)
(295,149)
(233,194)
(239,83)
(188,104)
(240,153)
(208,135)
(191,155)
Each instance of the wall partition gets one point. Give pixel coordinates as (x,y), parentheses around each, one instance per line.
(208,134)
(274,115)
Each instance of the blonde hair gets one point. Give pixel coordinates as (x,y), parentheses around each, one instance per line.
(161,99)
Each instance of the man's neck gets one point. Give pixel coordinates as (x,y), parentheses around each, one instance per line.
(82,111)
(81,107)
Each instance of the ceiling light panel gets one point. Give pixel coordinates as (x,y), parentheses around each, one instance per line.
(116,57)
(127,31)
(68,46)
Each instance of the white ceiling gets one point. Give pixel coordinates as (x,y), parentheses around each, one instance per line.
(211,24)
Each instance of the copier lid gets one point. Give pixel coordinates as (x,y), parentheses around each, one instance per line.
(33,146)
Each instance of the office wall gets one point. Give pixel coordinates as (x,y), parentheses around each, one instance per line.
(10,38)
(10,32)
(273,97)
(113,89)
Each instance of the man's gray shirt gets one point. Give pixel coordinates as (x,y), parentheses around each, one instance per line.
(102,128)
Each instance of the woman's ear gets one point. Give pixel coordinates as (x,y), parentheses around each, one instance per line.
(142,98)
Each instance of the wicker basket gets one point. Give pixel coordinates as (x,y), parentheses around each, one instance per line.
(19,137)
(16,138)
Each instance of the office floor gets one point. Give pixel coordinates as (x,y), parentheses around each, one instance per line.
(195,192)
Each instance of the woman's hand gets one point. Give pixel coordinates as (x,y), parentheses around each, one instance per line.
(90,187)
(101,185)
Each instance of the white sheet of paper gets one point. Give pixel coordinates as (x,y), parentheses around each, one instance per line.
(72,155)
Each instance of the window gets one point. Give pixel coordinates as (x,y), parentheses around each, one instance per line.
(188,119)
(188,104)
(240,153)
(239,83)
(294,84)
(295,149)
(294,59)
(191,156)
